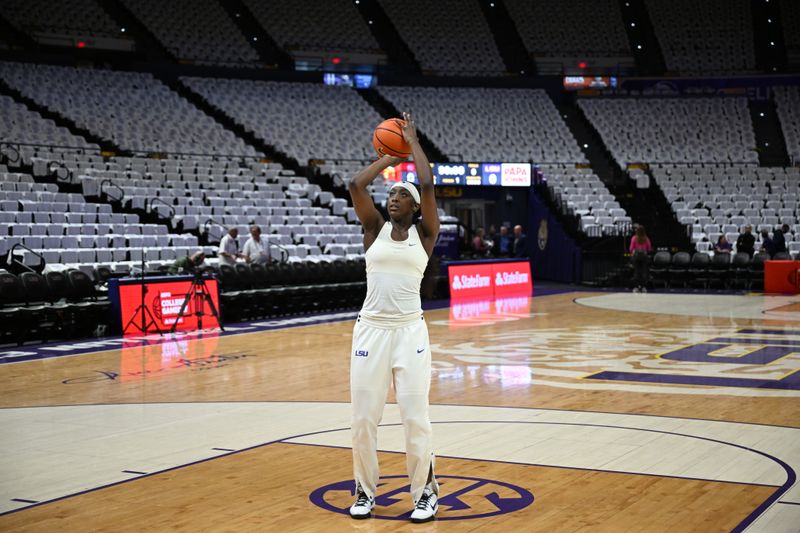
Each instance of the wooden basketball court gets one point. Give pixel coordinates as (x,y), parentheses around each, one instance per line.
(563,412)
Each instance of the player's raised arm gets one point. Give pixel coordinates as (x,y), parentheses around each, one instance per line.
(367,214)
(429,225)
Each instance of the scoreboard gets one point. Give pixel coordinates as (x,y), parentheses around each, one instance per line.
(484,174)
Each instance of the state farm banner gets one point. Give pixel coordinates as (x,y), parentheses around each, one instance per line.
(490,280)
(471,281)
(512,278)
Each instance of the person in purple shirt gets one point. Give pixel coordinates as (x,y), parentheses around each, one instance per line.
(723,246)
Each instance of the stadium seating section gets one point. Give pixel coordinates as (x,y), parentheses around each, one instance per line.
(308,25)
(197,30)
(133,110)
(790,15)
(674,130)
(723,199)
(304,120)
(580,192)
(708,37)
(447,37)
(570,28)
(18,124)
(514,124)
(787,102)
(73,17)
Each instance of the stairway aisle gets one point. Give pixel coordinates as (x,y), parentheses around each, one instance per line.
(268,50)
(509,43)
(642,38)
(771,146)
(401,59)
(146,42)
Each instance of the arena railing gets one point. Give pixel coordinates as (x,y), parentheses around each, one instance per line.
(11,259)
(149,206)
(104,190)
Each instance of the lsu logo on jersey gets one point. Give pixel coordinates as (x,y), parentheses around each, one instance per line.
(362,353)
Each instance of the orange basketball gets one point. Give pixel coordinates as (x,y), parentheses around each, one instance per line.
(388,139)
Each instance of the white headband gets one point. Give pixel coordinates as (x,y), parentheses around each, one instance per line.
(410,188)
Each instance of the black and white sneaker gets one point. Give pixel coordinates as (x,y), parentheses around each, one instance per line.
(363,506)
(426,508)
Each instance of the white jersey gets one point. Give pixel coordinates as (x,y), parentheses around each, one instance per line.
(394,275)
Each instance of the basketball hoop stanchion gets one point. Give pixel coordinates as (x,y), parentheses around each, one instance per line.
(148,319)
(199,292)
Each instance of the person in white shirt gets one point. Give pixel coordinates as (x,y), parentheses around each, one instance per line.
(390,337)
(229,248)
(256,249)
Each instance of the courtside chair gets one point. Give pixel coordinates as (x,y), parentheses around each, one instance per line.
(740,271)
(719,270)
(659,269)
(41,318)
(679,269)
(698,275)
(12,309)
(756,271)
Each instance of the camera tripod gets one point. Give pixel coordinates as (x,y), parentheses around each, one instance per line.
(199,292)
(148,319)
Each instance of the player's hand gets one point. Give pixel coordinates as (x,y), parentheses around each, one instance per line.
(392,161)
(408,128)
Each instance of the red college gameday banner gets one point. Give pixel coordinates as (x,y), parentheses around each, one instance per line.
(490,280)
(164,300)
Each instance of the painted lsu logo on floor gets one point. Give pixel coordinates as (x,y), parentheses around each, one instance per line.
(461,498)
(701,359)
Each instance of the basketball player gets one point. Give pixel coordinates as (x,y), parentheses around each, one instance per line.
(390,337)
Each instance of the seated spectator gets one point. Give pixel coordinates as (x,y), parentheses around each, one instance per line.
(746,241)
(479,245)
(723,246)
(767,244)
